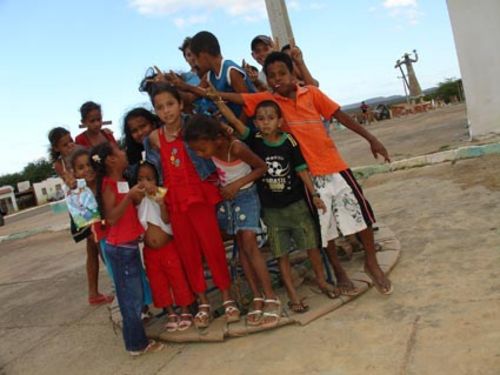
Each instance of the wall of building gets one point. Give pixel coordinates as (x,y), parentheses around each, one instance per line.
(476,29)
(48,190)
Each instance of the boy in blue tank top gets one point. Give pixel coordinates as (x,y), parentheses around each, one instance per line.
(224,75)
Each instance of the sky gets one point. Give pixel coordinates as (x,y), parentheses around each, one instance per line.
(57,54)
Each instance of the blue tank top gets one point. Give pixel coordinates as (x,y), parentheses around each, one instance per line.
(222,82)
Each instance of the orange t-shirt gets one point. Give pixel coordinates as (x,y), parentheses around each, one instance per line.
(302,118)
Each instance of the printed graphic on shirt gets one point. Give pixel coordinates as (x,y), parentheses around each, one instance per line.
(278,177)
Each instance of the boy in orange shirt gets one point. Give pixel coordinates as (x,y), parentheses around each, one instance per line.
(347,208)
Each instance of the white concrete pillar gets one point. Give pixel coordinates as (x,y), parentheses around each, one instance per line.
(476,29)
(280,23)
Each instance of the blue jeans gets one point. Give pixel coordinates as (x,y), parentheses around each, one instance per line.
(126,264)
(148,296)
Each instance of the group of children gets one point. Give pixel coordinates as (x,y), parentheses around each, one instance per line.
(223,150)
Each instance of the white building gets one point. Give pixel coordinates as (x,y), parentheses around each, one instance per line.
(476,29)
(8,199)
(48,190)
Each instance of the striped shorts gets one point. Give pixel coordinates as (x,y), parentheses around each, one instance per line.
(347,210)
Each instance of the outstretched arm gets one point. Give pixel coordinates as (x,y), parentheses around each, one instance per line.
(234,121)
(376,146)
(298,59)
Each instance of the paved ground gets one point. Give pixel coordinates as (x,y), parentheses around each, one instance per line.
(442,318)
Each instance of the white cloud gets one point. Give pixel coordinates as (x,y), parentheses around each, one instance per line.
(406,10)
(181,22)
(249,10)
(199,9)
(400,3)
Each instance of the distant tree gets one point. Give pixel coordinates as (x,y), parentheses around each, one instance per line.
(35,171)
(449,88)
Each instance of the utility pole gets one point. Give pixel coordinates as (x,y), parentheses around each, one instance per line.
(280,23)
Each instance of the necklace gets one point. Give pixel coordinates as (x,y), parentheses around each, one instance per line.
(172,133)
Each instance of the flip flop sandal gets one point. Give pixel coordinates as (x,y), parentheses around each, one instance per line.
(202,318)
(298,307)
(377,285)
(231,312)
(172,322)
(349,292)
(153,347)
(330,292)
(257,313)
(272,312)
(185,323)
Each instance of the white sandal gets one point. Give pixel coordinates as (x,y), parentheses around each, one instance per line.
(172,326)
(185,323)
(255,312)
(274,312)
(201,315)
(231,311)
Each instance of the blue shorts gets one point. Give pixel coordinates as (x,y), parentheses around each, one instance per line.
(241,213)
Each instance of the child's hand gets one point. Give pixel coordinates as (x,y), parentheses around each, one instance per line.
(136,193)
(229,130)
(253,76)
(296,53)
(174,79)
(228,192)
(150,188)
(69,180)
(319,204)
(379,149)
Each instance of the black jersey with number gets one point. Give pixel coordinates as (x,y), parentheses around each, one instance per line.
(281,185)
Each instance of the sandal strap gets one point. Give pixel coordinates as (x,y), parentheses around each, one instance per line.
(231,309)
(187,315)
(200,314)
(274,315)
(204,306)
(275,301)
(258,299)
(228,302)
(254,312)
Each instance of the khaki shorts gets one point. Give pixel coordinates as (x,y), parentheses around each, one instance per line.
(291,223)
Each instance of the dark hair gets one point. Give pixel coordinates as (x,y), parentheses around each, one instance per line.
(264,39)
(133,148)
(254,68)
(88,107)
(203,127)
(144,164)
(269,104)
(76,154)
(159,88)
(55,136)
(98,156)
(286,47)
(278,57)
(205,41)
(185,45)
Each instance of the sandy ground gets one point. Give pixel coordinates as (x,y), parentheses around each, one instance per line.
(443,317)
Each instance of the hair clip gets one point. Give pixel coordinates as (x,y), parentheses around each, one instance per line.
(96,158)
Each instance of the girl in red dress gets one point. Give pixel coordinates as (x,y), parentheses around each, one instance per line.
(191,198)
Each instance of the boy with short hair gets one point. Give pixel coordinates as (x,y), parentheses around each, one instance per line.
(347,208)
(224,75)
(282,196)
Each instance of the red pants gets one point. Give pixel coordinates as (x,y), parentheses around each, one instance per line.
(197,234)
(166,276)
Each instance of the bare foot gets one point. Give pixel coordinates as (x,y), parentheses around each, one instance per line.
(380,280)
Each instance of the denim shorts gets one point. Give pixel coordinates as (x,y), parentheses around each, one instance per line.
(240,213)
